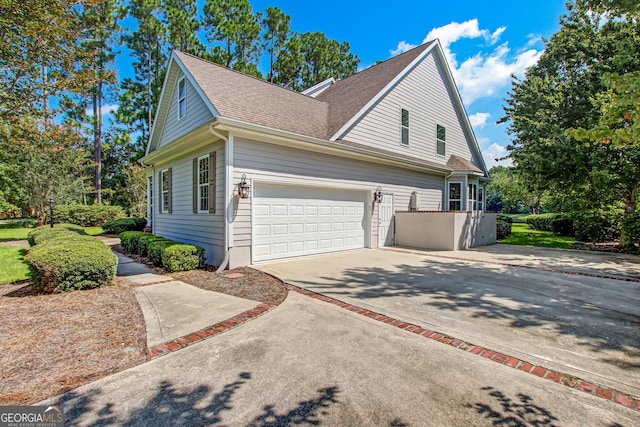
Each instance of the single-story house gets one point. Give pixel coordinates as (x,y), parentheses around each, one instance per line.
(255,172)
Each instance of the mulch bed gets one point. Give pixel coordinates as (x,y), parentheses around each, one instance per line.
(56,342)
(253,284)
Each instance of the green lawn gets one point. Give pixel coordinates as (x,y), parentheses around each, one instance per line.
(520,218)
(93,231)
(8,233)
(12,267)
(521,234)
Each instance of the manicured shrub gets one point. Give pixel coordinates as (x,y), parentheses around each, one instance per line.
(181,257)
(129,240)
(40,234)
(61,266)
(503,230)
(597,225)
(155,250)
(121,225)
(541,221)
(504,218)
(87,215)
(562,226)
(145,241)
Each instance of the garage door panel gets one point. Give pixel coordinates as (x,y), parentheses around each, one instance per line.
(294,221)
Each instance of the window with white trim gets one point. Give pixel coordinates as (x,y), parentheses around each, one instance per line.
(203,184)
(164,177)
(455,196)
(150,200)
(473,197)
(480,198)
(182,98)
(404,126)
(441,138)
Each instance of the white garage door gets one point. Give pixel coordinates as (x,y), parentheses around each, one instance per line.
(292,221)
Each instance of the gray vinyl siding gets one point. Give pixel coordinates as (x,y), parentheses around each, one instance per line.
(425,95)
(271,163)
(197,114)
(203,229)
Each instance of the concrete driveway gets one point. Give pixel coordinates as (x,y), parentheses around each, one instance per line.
(311,363)
(579,324)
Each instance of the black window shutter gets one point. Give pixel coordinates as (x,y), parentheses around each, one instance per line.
(170,195)
(212,182)
(195,185)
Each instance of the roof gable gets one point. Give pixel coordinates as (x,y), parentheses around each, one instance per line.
(349,98)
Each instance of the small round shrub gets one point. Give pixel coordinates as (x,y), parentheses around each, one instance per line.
(129,240)
(182,257)
(541,222)
(145,241)
(60,266)
(504,218)
(155,250)
(40,234)
(503,230)
(118,226)
(87,215)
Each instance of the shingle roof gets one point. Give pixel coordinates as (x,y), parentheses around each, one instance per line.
(347,97)
(458,163)
(249,99)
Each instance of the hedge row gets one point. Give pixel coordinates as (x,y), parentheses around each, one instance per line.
(121,225)
(63,258)
(597,225)
(87,215)
(172,255)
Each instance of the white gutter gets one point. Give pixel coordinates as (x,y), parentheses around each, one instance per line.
(228,195)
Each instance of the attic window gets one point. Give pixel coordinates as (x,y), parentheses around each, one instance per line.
(441,138)
(404,117)
(182,98)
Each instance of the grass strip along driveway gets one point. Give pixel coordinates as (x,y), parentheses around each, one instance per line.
(522,234)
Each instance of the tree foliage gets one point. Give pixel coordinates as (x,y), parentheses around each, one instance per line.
(565,90)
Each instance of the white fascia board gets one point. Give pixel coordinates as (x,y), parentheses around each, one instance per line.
(197,87)
(340,133)
(160,102)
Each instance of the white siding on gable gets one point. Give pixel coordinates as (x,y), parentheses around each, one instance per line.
(203,229)
(263,162)
(424,93)
(197,114)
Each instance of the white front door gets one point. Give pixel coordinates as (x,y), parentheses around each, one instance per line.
(291,221)
(385,223)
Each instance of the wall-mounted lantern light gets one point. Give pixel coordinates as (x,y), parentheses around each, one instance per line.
(243,187)
(377,196)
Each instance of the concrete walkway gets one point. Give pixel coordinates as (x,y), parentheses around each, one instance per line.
(173,309)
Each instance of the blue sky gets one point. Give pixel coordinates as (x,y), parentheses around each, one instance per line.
(485,42)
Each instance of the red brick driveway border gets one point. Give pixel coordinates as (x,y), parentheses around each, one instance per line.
(529,267)
(208,332)
(570,381)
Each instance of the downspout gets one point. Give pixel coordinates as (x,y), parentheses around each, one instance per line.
(228,193)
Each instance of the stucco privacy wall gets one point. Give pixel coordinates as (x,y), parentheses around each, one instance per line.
(203,229)
(448,231)
(264,162)
(429,102)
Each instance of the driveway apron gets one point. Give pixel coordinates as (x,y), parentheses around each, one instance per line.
(578,324)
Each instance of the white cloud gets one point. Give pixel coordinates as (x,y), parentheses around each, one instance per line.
(495,36)
(485,73)
(492,155)
(479,120)
(402,47)
(105,110)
